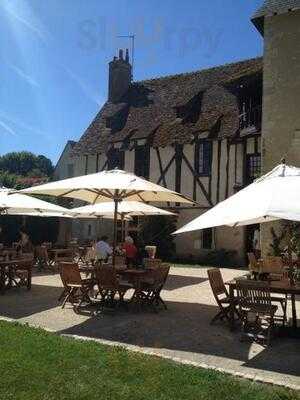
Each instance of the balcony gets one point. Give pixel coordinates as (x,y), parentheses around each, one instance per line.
(250,121)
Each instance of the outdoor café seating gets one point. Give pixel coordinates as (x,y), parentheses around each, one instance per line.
(221,295)
(76,289)
(110,285)
(256,310)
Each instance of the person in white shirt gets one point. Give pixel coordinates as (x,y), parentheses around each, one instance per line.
(103,249)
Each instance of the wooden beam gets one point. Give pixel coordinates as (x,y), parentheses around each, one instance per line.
(197,179)
(161,167)
(227,169)
(86,164)
(219,170)
(97,162)
(178,164)
(166,170)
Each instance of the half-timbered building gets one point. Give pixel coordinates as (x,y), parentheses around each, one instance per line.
(197,133)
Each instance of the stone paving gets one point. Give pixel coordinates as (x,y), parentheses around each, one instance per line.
(182,333)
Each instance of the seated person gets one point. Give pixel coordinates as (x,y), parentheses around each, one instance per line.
(103,249)
(130,251)
(25,243)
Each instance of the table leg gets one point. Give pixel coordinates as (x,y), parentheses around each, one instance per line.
(231,309)
(294,314)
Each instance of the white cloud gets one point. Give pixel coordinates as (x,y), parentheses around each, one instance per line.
(27,78)
(8,129)
(85,88)
(22,125)
(9,8)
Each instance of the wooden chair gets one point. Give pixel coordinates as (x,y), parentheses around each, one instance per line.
(76,289)
(42,257)
(221,295)
(152,263)
(150,292)
(109,284)
(120,261)
(254,300)
(22,272)
(254,264)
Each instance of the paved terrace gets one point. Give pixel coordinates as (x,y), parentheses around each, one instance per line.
(182,333)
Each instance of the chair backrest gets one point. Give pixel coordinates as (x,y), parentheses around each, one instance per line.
(253,263)
(159,276)
(152,263)
(69,273)
(25,263)
(253,293)
(120,260)
(272,264)
(216,282)
(41,252)
(106,277)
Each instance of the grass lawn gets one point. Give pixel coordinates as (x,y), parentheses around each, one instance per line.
(40,365)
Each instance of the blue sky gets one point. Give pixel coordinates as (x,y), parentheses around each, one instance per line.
(54,57)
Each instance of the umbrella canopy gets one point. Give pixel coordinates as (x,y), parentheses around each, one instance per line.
(273,196)
(116,185)
(108,185)
(125,208)
(14,203)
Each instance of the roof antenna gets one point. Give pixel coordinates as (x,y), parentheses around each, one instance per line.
(132,38)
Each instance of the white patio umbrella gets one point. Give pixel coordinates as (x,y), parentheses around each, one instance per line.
(15,203)
(116,185)
(274,196)
(126,210)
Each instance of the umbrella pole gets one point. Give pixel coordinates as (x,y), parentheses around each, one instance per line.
(116,201)
(122,227)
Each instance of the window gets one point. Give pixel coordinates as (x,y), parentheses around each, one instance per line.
(142,161)
(203,158)
(70,170)
(115,159)
(253,167)
(207,238)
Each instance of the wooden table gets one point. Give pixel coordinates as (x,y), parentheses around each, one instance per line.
(6,271)
(280,287)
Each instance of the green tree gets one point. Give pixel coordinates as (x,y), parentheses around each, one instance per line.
(24,163)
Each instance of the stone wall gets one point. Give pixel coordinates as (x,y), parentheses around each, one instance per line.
(281,96)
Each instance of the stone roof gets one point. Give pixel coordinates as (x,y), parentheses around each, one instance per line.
(272,7)
(172,108)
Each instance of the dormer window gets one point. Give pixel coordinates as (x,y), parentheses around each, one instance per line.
(115,159)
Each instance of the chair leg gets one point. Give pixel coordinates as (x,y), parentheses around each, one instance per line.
(70,293)
(217,317)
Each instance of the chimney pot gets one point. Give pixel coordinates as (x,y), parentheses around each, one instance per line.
(119,77)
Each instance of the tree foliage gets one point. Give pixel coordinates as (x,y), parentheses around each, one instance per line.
(19,170)
(25,164)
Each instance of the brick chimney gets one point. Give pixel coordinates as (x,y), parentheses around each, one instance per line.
(120,75)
